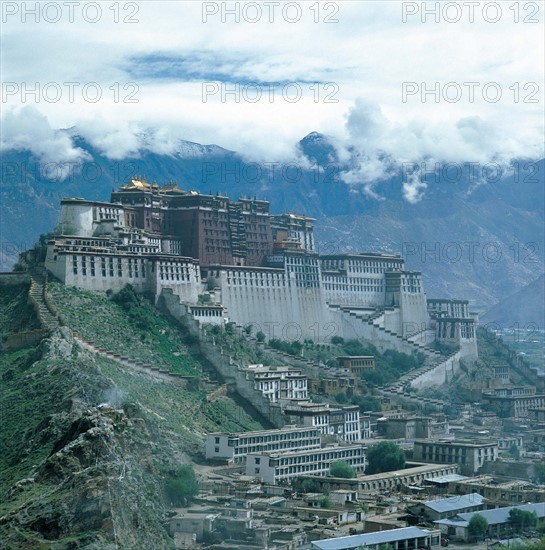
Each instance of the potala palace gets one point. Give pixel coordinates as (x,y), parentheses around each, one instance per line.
(219,260)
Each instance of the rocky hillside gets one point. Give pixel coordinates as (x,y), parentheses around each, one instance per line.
(90,443)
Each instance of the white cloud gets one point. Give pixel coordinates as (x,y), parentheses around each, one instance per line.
(413,188)
(368,54)
(27,129)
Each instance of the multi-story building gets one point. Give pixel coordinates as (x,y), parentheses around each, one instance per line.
(334,385)
(412,427)
(132,257)
(357,364)
(343,422)
(235,447)
(513,406)
(498,491)
(278,383)
(452,321)
(291,232)
(212,228)
(284,467)
(365,427)
(470,455)
(537,413)
(358,279)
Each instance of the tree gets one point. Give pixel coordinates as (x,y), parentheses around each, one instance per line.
(364,507)
(478,526)
(308,485)
(325,502)
(341,398)
(539,470)
(514,451)
(341,468)
(337,340)
(260,336)
(521,519)
(181,485)
(384,457)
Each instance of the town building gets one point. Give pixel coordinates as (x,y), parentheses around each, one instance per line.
(278,383)
(411,427)
(413,475)
(342,421)
(334,385)
(537,414)
(366,429)
(497,519)
(357,364)
(284,467)
(470,455)
(443,508)
(235,447)
(406,538)
(509,405)
(498,491)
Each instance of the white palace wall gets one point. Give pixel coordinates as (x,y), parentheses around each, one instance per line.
(98,272)
(78,218)
(280,309)
(414,312)
(103,272)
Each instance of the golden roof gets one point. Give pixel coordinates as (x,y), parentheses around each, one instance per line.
(137,183)
(142,185)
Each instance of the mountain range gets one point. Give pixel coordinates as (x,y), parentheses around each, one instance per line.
(480,238)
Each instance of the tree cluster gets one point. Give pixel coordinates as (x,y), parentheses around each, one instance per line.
(181,485)
(384,457)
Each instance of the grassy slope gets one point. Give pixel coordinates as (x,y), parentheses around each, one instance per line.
(45,389)
(15,313)
(146,335)
(158,340)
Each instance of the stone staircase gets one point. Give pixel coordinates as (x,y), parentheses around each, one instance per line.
(434,360)
(48,319)
(376,320)
(413,375)
(140,366)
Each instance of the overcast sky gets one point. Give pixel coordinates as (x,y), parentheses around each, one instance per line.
(157,62)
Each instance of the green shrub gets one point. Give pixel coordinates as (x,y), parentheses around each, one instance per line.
(308,485)
(181,486)
(341,468)
(478,526)
(325,502)
(384,457)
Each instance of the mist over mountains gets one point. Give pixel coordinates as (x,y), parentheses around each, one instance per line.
(475,231)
